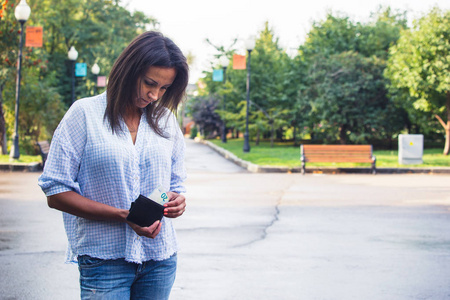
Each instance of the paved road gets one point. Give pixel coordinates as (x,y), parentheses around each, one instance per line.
(260,236)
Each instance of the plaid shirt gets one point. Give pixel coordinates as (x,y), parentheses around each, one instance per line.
(85,157)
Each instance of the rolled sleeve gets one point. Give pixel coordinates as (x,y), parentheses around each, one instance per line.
(66,149)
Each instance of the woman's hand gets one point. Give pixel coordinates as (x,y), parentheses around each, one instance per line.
(150,231)
(176,205)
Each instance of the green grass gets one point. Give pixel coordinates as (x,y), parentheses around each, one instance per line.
(5,159)
(285,154)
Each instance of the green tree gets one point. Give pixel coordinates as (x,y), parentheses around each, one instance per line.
(269,82)
(99,30)
(419,65)
(342,94)
(8,56)
(347,95)
(204,115)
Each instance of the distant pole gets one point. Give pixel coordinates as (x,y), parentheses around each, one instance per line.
(22,13)
(73,55)
(250,44)
(95,70)
(224,62)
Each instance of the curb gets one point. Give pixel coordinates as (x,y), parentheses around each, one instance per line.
(24,167)
(318,170)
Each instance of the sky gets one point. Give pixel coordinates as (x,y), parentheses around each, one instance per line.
(190,22)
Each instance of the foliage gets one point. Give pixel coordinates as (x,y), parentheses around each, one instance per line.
(419,67)
(336,88)
(342,95)
(338,33)
(269,103)
(204,115)
(35,121)
(346,93)
(269,82)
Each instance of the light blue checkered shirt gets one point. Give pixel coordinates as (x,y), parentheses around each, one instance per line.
(87,158)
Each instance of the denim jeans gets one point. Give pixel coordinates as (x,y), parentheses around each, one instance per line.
(119,279)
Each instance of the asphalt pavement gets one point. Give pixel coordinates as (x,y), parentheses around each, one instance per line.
(260,236)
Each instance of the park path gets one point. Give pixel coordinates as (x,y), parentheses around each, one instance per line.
(260,236)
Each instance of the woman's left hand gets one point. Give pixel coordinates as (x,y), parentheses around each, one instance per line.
(176,205)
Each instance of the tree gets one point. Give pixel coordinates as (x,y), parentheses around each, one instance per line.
(419,65)
(8,56)
(269,82)
(342,94)
(204,115)
(347,94)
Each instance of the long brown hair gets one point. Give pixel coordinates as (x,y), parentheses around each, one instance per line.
(148,49)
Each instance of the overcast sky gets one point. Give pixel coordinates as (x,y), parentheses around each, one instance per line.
(189,22)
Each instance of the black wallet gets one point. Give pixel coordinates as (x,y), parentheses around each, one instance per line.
(144,211)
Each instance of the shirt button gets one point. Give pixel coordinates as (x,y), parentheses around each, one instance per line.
(136,178)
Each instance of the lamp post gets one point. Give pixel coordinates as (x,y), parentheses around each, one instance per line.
(224,62)
(73,55)
(95,70)
(249,45)
(22,13)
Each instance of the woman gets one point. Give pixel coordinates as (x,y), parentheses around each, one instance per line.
(108,150)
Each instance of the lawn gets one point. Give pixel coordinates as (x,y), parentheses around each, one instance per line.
(285,154)
(4,159)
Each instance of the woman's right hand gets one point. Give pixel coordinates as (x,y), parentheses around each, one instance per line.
(150,231)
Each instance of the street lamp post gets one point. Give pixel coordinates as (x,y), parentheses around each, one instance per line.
(249,45)
(224,62)
(73,55)
(22,13)
(95,70)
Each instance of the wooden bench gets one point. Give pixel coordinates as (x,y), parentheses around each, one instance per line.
(338,154)
(44,147)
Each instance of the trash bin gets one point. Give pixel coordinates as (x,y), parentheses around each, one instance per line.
(410,149)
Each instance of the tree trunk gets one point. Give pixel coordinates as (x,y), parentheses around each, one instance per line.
(272,133)
(446,125)
(447,139)
(295,138)
(343,135)
(258,135)
(3,139)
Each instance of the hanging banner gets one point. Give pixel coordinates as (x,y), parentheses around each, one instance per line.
(80,69)
(33,37)
(218,75)
(239,62)
(101,81)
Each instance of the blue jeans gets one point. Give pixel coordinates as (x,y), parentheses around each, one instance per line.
(119,279)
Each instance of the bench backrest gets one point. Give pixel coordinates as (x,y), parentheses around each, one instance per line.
(337,153)
(44,146)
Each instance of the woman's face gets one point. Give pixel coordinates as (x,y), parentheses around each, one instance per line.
(154,84)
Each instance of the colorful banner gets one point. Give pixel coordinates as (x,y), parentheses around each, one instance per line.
(218,75)
(239,62)
(101,81)
(80,69)
(33,37)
